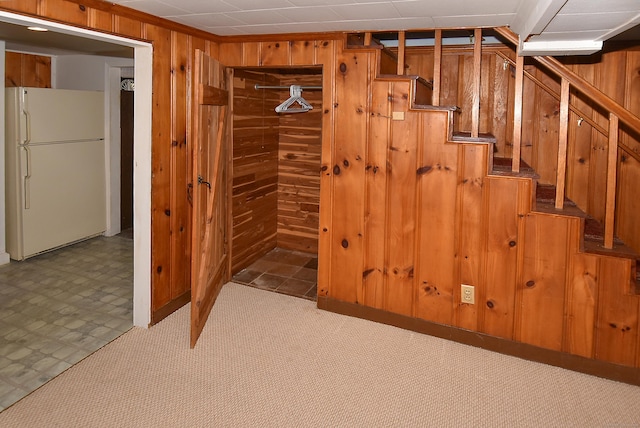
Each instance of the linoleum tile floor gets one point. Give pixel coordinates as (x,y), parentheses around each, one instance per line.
(284,271)
(59,307)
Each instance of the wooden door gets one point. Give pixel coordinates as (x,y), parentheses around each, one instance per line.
(211,170)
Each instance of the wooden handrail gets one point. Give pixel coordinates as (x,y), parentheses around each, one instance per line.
(580,84)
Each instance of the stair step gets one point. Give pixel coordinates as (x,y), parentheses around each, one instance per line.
(465,137)
(502,166)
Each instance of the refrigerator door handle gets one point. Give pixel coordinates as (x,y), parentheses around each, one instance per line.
(27,193)
(27,117)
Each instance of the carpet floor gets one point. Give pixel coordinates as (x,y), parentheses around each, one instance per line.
(271,360)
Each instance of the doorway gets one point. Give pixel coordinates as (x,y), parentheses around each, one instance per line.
(276,181)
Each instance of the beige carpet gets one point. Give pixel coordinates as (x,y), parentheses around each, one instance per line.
(268,360)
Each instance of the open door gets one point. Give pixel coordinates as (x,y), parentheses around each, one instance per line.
(210,240)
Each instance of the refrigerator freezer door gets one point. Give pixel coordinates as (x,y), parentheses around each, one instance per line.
(66,195)
(61,115)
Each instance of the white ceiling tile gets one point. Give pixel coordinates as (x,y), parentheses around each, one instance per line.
(206,6)
(473,21)
(207,20)
(586,21)
(309,14)
(258,17)
(410,8)
(366,11)
(319,2)
(258,4)
(600,6)
(155,7)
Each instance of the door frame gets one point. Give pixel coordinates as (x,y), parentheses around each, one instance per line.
(143,63)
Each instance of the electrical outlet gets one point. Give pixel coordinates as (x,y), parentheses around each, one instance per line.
(468,294)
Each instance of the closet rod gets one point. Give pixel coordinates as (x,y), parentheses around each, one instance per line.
(286,87)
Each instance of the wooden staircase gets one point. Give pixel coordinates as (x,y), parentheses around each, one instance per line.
(575,300)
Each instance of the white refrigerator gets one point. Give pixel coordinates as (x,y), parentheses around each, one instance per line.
(54,168)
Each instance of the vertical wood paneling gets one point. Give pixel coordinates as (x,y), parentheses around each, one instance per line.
(274,53)
(27,6)
(582,297)
(302,52)
(437,183)
(546,131)
(617,322)
(325,53)
(350,124)
(161,169)
(62,10)
(27,70)
(628,205)
(529,123)
(127,26)
(374,273)
(231,54)
(100,20)
(505,202)
(180,161)
(541,291)
(401,204)
(470,238)
(251,55)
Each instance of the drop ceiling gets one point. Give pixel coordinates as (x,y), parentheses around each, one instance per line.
(545,26)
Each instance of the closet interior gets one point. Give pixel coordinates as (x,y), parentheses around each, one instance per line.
(276,179)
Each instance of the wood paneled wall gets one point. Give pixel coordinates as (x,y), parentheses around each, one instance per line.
(299,162)
(27,70)
(255,167)
(171,155)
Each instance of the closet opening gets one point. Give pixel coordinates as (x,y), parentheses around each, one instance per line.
(276,180)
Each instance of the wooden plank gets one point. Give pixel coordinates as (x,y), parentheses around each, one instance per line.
(180,167)
(546,128)
(251,54)
(517,115)
(161,171)
(401,204)
(353,71)
(470,237)
(373,275)
(581,306)
(506,201)
(28,6)
(541,291)
(628,203)
(275,53)
(436,267)
(563,136)
(302,52)
(477,68)
(612,178)
(100,20)
(401,49)
(231,53)
(127,26)
(437,67)
(64,11)
(617,319)
(213,96)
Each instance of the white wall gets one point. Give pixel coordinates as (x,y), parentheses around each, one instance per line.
(4,256)
(100,73)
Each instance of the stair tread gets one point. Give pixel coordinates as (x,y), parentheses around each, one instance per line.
(502,167)
(465,136)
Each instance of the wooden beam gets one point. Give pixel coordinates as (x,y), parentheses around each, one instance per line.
(437,65)
(401,46)
(367,38)
(612,166)
(517,115)
(563,138)
(477,68)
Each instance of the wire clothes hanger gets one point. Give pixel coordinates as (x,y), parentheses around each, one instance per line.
(295,103)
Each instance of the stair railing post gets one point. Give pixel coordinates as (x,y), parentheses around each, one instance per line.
(437,65)
(477,68)
(517,114)
(563,138)
(401,46)
(612,167)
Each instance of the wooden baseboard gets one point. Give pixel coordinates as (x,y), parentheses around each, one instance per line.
(171,307)
(630,375)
